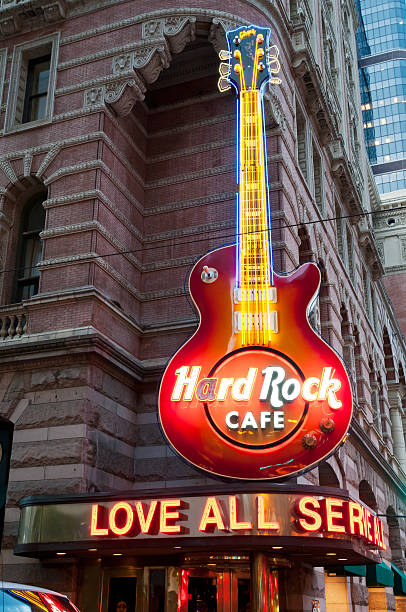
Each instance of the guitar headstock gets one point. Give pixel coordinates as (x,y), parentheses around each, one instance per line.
(251,61)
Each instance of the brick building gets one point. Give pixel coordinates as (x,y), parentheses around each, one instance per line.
(117,172)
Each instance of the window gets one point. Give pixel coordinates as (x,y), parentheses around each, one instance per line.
(339,229)
(36,92)
(367,292)
(350,254)
(30,248)
(301,141)
(317,178)
(32,83)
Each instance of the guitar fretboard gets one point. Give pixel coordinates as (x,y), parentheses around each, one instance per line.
(255,317)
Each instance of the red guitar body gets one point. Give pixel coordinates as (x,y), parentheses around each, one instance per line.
(258,448)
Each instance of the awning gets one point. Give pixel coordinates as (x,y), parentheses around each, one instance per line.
(355,570)
(399,578)
(379,575)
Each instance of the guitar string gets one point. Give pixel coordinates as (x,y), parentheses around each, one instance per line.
(258,224)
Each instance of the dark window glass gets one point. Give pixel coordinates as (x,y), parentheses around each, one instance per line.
(244,595)
(122,594)
(202,595)
(36,91)
(30,251)
(156,590)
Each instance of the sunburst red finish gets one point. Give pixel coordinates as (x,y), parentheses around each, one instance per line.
(186,423)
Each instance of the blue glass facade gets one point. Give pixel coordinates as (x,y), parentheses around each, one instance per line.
(381,42)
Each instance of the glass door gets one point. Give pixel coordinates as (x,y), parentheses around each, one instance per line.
(225,590)
(121,590)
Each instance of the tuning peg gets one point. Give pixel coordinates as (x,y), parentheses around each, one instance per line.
(273,52)
(274,65)
(275,81)
(223,84)
(224,55)
(224,69)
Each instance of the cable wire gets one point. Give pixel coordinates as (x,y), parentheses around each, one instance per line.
(229,235)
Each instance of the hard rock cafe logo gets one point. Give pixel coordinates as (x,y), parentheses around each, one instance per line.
(257,406)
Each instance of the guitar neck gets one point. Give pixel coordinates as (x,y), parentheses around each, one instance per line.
(254,240)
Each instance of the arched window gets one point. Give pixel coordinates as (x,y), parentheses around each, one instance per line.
(366,495)
(327,476)
(30,248)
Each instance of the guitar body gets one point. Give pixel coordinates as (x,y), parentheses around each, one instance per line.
(204,412)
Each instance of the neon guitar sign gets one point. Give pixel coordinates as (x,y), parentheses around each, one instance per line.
(256,393)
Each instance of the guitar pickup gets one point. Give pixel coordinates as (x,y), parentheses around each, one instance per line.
(256,321)
(269,294)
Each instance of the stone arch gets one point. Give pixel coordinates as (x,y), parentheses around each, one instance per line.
(367,495)
(327,476)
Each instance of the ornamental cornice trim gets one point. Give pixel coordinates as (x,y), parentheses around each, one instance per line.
(139,63)
(19,15)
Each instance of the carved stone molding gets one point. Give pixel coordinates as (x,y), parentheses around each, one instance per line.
(276,106)
(19,15)
(344,174)
(135,69)
(315,95)
(217,32)
(121,94)
(372,253)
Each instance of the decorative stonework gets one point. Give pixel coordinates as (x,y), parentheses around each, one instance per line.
(19,15)
(136,68)
(276,106)
(217,32)
(343,172)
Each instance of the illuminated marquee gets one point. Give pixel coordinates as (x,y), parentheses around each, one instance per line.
(309,515)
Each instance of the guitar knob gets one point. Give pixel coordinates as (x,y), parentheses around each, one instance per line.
(309,441)
(327,425)
(209,275)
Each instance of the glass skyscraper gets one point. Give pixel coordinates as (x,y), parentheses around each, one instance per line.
(381,42)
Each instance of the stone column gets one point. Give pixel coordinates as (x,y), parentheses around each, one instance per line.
(259,583)
(396,410)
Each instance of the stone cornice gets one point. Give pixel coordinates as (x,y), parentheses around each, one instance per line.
(345,177)
(19,15)
(34,349)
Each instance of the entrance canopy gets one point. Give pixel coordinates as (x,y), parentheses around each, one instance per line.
(316,525)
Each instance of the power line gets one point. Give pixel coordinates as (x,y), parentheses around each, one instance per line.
(230,235)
